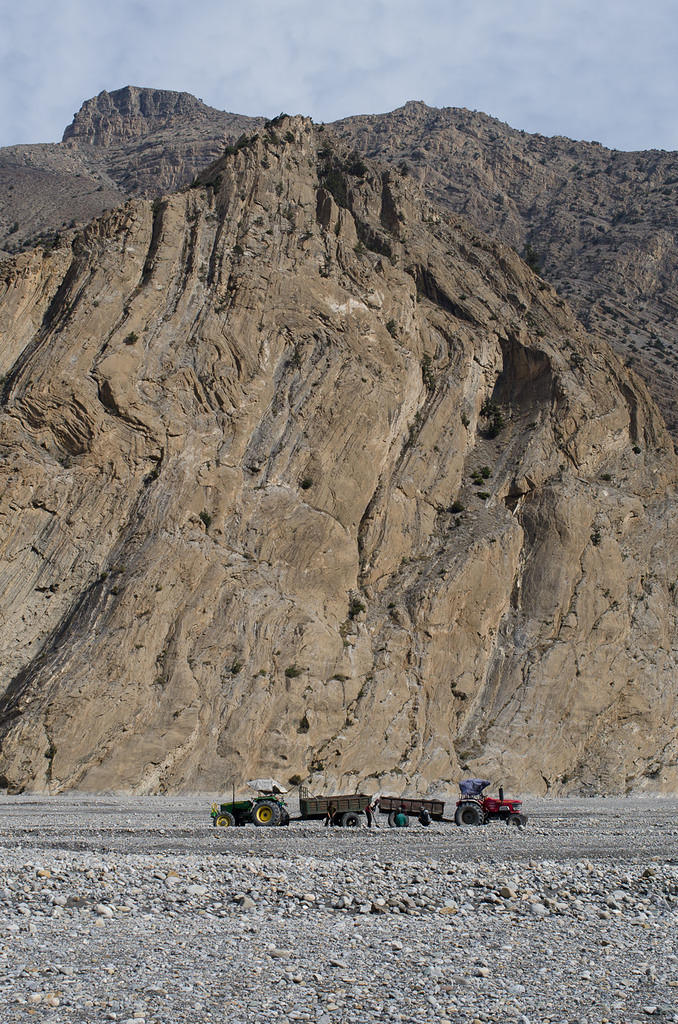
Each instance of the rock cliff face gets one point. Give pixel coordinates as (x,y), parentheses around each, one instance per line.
(131,113)
(602,224)
(301,477)
(131,142)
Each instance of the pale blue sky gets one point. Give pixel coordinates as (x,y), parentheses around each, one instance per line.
(589,69)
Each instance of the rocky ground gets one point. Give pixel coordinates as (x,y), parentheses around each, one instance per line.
(137,910)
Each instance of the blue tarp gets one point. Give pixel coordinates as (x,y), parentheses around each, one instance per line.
(473,787)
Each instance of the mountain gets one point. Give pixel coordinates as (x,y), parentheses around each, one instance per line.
(133,141)
(305,476)
(601,225)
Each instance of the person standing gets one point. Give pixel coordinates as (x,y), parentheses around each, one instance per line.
(368,815)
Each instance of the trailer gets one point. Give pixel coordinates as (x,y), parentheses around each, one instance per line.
(425,810)
(345,809)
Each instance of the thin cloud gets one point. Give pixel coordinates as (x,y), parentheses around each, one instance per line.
(606,71)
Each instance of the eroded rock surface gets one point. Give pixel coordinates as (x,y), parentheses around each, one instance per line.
(301,477)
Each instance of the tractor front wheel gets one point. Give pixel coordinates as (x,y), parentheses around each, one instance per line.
(517,820)
(224,820)
(469,814)
(266,812)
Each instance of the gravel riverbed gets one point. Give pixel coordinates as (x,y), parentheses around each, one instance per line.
(137,910)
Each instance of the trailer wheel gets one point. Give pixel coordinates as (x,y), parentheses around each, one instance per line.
(469,814)
(424,817)
(350,819)
(266,812)
(224,820)
(391,819)
(284,818)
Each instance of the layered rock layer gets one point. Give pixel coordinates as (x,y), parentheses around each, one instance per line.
(302,478)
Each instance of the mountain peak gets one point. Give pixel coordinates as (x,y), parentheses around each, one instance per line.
(131,112)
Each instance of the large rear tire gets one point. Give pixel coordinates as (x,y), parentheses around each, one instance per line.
(350,819)
(266,812)
(224,820)
(469,814)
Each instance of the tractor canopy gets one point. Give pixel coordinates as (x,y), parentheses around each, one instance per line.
(473,787)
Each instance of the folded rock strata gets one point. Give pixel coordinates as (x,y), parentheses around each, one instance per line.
(302,478)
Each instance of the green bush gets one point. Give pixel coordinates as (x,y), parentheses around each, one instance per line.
(427,374)
(491,412)
(292,671)
(533,259)
(206,518)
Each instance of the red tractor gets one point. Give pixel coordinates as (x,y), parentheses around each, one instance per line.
(475,809)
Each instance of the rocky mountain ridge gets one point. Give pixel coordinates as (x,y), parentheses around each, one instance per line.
(601,225)
(305,477)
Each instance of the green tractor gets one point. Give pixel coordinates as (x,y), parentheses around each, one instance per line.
(266,809)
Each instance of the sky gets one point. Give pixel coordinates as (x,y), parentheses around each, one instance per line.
(604,70)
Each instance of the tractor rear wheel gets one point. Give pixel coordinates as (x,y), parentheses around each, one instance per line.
(266,812)
(350,819)
(469,814)
(224,820)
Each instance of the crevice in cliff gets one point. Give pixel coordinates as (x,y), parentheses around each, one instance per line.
(159,210)
(428,287)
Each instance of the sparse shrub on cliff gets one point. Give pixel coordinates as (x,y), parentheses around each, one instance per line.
(355,166)
(355,607)
(392,328)
(292,671)
(533,259)
(457,506)
(131,338)
(335,183)
(206,518)
(491,412)
(306,483)
(595,538)
(427,374)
